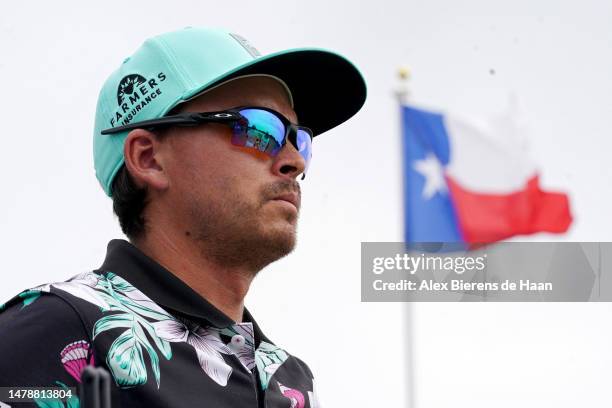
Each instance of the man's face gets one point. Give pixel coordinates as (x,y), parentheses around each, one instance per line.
(233,201)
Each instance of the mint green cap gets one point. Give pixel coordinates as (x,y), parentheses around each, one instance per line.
(174,67)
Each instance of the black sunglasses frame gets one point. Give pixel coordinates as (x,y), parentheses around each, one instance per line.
(229,116)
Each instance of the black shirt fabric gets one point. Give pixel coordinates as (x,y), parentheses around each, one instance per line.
(163,344)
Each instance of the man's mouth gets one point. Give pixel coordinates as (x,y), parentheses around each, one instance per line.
(292,198)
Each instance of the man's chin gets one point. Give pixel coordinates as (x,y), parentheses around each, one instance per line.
(284,241)
(267,253)
(278,242)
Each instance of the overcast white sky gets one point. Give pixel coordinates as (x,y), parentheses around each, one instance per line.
(467,57)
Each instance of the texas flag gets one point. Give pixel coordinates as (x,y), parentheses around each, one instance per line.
(465,182)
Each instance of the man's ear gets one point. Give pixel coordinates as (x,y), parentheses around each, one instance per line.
(143,160)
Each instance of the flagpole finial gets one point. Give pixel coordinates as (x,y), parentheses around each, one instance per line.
(402,92)
(404,73)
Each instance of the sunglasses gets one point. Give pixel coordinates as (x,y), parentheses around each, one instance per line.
(259,128)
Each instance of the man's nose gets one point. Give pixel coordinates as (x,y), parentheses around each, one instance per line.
(288,163)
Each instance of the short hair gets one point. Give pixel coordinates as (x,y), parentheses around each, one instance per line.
(130,200)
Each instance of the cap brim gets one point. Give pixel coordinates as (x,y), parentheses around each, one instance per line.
(327,88)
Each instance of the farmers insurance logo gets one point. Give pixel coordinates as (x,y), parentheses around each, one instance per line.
(134,93)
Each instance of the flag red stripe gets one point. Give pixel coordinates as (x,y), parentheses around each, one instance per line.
(493,217)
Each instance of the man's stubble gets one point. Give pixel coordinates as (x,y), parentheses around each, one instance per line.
(231,231)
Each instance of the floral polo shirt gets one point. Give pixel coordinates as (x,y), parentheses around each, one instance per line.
(163,344)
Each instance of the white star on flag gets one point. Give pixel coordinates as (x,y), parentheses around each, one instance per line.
(433,171)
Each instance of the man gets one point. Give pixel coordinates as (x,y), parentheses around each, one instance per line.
(197,142)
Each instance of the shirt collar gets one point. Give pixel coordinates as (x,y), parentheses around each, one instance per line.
(166,289)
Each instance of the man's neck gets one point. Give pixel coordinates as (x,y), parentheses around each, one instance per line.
(224,288)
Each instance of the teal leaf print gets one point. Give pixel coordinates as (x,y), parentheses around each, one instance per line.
(111,293)
(125,356)
(112,322)
(126,361)
(142,339)
(120,294)
(147,328)
(29,296)
(162,344)
(268,359)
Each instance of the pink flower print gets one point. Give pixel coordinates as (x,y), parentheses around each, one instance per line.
(74,358)
(296,397)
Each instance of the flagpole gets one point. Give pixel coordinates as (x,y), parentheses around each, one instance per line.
(402,94)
